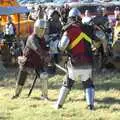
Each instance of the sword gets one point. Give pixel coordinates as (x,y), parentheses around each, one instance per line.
(61,68)
(33,84)
(37,75)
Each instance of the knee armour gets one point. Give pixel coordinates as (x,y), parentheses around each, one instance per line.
(22,75)
(88,84)
(68,83)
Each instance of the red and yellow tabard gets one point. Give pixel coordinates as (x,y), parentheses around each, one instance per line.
(80,43)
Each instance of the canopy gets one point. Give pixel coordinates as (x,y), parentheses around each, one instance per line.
(13,10)
(46,1)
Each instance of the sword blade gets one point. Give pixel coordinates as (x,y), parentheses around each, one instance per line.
(61,68)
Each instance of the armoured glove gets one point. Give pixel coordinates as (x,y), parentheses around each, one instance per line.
(22,60)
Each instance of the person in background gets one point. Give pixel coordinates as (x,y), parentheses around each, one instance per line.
(9,31)
(113,18)
(101,24)
(64,13)
(87,17)
(116,12)
(54,33)
(117,29)
(49,11)
(116,44)
(33,14)
(103,30)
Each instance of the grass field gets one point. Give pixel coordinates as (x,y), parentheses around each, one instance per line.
(107,101)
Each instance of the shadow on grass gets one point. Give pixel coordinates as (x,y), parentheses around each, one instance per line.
(38,98)
(108,100)
(108,86)
(4,118)
(103,81)
(112,81)
(98,86)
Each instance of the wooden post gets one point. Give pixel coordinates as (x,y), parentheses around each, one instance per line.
(18,25)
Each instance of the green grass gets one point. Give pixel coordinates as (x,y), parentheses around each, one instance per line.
(107,101)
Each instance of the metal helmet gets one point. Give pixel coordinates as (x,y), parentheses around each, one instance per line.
(55,12)
(40,23)
(74,12)
(40,27)
(101,10)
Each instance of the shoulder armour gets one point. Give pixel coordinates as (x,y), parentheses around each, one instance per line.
(66,26)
